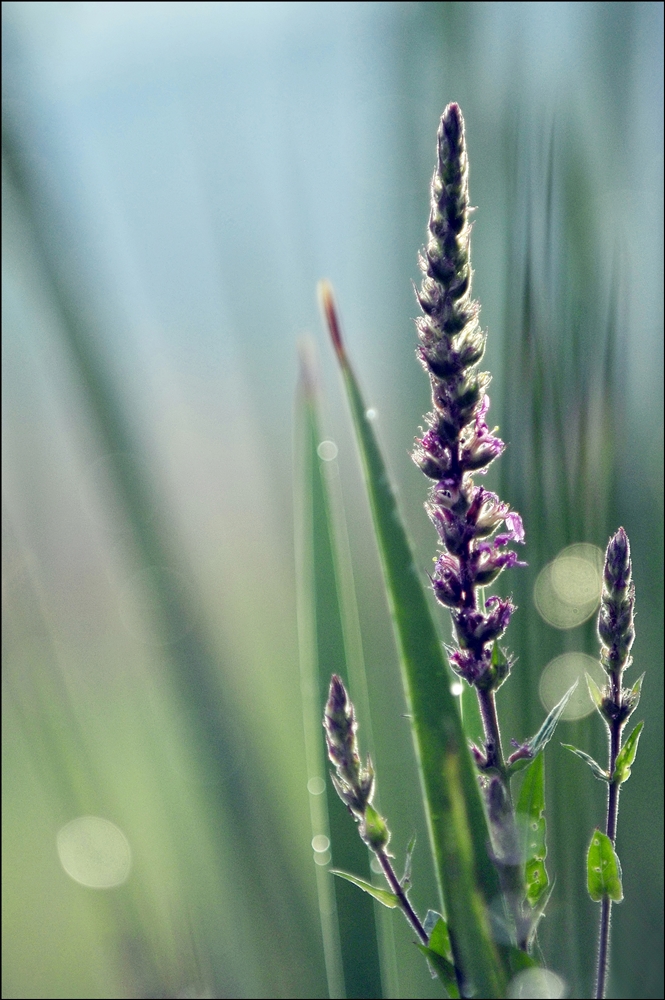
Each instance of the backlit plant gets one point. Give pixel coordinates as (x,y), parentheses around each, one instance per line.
(487,838)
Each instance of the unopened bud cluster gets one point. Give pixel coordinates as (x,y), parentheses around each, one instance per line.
(458,441)
(353,783)
(616,628)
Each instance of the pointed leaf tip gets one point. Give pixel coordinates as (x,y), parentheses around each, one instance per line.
(327,300)
(384,896)
(627,754)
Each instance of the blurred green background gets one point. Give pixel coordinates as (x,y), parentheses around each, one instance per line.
(176,178)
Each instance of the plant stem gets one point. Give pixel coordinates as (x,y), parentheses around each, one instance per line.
(487,703)
(507,847)
(610,829)
(404,903)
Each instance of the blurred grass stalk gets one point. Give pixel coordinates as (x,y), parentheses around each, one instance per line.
(272,895)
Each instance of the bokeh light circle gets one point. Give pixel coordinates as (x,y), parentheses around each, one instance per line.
(536,984)
(94,852)
(567,590)
(560,674)
(327,451)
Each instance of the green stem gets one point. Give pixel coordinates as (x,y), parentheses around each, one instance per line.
(610,829)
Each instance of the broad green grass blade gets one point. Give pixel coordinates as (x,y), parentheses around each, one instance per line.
(455,815)
(347,918)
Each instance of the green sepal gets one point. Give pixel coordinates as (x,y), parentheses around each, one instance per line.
(627,756)
(438,951)
(595,693)
(373,829)
(603,869)
(531,811)
(538,742)
(384,896)
(596,769)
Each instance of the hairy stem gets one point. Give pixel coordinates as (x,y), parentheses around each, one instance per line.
(404,903)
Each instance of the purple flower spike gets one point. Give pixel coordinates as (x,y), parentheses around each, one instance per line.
(458,441)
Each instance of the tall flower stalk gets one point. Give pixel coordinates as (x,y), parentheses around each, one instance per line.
(456,445)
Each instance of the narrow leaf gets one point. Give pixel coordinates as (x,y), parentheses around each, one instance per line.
(384,896)
(537,913)
(456,819)
(405,881)
(538,742)
(635,693)
(531,815)
(603,869)
(546,731)
(596,769)
(594,691)
(627,755)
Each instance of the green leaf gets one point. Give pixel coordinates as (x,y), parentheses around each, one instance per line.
(627,755)
(439,939)
(531,815)
(538,742)
(456,818)
(444,969)
(517,959)
(596,769)
(438,951)
(603,869)
(384,896)
(537,913)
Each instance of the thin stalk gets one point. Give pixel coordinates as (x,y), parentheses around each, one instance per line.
(404,903)
(610,830)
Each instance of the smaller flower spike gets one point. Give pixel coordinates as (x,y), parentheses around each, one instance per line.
(353,783)
(617,604)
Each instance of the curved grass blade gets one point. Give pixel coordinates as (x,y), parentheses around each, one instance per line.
(454,811)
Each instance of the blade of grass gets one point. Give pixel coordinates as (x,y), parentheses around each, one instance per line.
(454,811)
